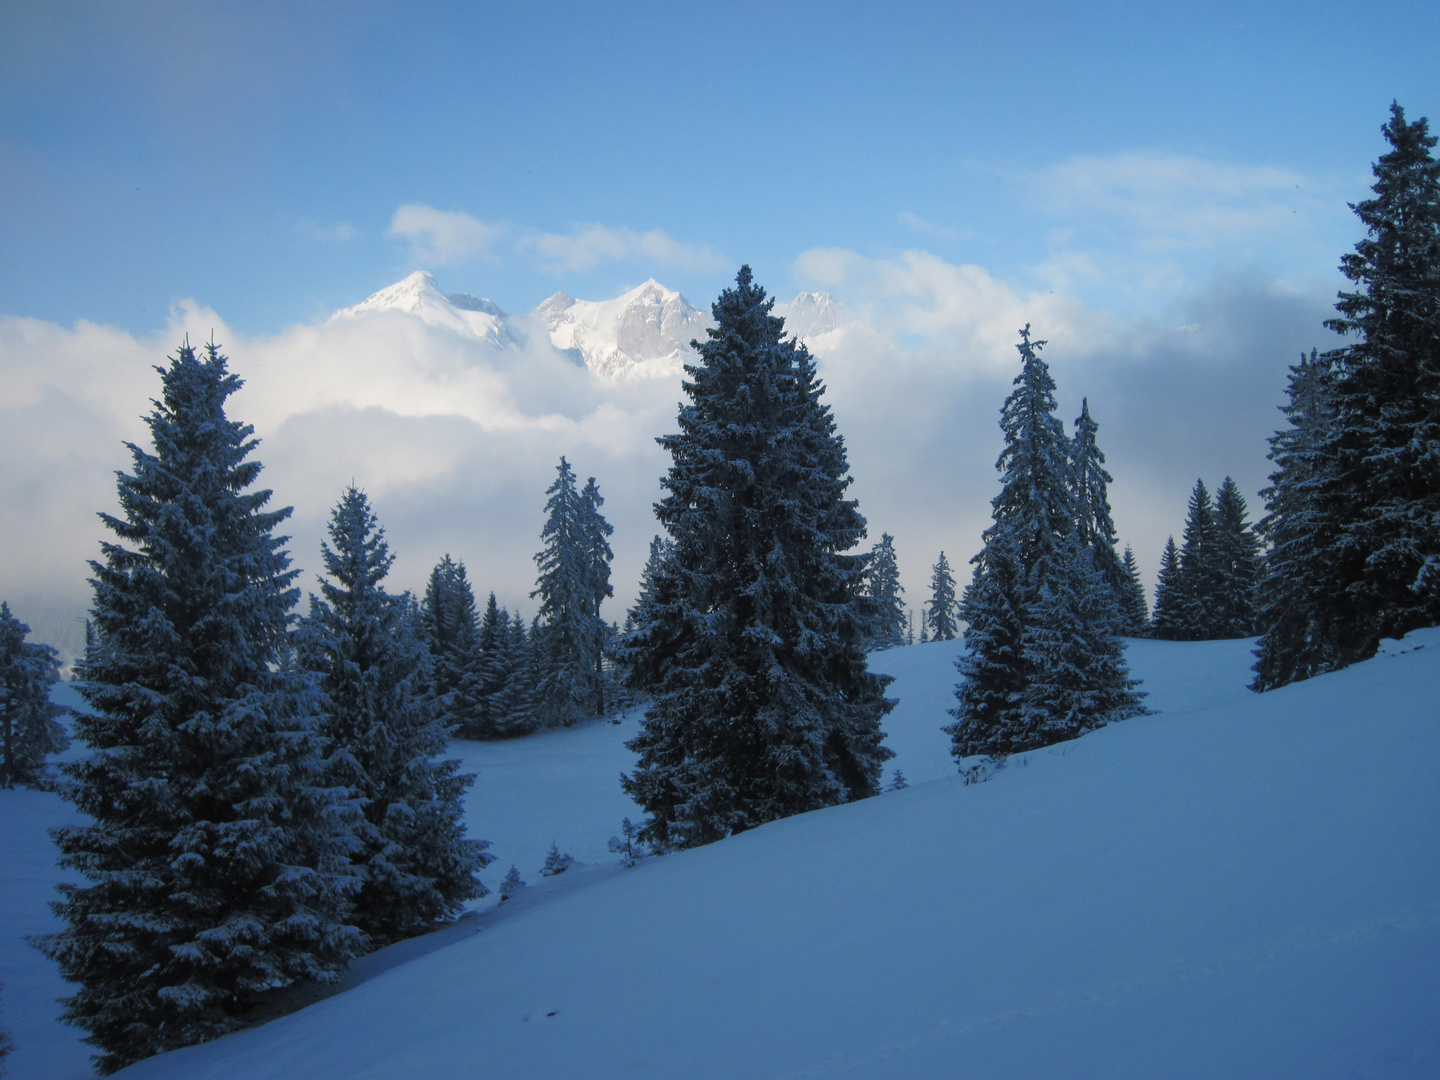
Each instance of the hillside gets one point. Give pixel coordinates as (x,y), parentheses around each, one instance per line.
(1240,885)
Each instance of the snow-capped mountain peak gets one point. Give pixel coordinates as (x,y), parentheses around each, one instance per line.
(813,313)
(420,295)
(645,332)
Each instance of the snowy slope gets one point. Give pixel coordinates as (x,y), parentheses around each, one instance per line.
(1245,887)
(644,333)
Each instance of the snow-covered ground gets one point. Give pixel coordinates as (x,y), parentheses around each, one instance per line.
(1240,885)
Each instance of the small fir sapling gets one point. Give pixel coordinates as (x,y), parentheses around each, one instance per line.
(512,884)
(898,781)
(556,862)
(631,849)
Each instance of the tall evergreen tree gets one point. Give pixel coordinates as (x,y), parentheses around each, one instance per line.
(1034,504)
(1134,611)
(569,633)
(1237,565)
(1037,667)
(1296,641)
(214,851)
(448,618)
(28,728)
(940,615)
(384,733)
(1090,493)
(883,593)
(596,532)
(762,706)
(504,702)
(1381,481)
(1077,678)
(641,648)
(1197,597)
(1167,619)
(993,668)
(516,702)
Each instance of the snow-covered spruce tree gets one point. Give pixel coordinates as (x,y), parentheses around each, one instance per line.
(640,647)
(940,614)
(1034,504)
(596,532)
(1134,611)
(384,734)
(516,701)
(1197,589)
(1295,640)
(216,853)
(568,632)
(1237,564)
(1033,601)
(1166,618)
(503,701)
(1033,514)
(883,593)
(1090,487)
(450,632)
(763,706)
(1381,481)
(28,728)
(1077,680)
(993,672)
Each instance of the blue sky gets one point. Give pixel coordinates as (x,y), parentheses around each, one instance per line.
(1160,190)
(253,156)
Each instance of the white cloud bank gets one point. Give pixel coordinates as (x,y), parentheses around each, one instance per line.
(455,440)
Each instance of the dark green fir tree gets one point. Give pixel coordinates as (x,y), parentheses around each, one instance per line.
(29,730)
(384,735)
(940,614)
(215,851)
(762,704)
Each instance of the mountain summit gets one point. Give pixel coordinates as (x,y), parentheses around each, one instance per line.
(420,295)
(645,332)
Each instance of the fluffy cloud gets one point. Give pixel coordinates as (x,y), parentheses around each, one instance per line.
(919,299)
(918,382)
(440,237)
(454,440)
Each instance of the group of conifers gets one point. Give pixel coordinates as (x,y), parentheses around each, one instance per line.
(266,796)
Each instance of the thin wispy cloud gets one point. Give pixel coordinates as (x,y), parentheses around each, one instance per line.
(916,224)
(441,237)
(587,246)
(1175,201)
(338,233)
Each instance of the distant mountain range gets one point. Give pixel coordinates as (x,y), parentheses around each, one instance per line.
(643,333)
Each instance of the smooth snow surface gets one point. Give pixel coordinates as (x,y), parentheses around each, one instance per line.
(1238,886)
